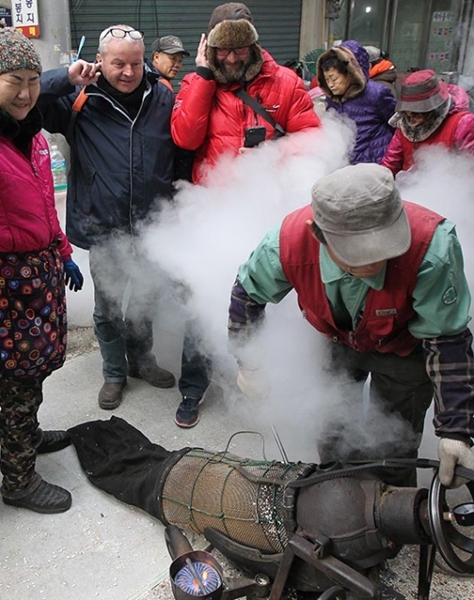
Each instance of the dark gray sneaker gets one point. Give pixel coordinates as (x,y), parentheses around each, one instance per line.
(46,498)
(187,414)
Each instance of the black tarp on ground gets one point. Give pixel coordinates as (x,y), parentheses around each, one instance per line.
(120,460)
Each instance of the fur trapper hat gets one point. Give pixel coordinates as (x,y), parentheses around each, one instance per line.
(231,11)
(234,34)
(17,52)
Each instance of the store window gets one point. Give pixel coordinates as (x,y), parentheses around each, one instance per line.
(417,35)
(407,48)
(366,22)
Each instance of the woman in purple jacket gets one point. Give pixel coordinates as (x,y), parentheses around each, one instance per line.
(343,74)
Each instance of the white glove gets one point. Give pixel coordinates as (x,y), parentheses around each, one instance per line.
(253,384)
(452,453)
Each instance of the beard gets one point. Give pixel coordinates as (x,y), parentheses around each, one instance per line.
(233,73)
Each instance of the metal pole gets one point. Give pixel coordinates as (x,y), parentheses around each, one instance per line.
(333,8)
(54,43)
(54,46)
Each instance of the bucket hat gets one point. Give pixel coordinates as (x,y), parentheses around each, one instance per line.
(422,91)
(360,212)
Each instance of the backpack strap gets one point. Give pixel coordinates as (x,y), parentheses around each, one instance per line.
(258,108)
(77,107)
(166,82)
(80,100)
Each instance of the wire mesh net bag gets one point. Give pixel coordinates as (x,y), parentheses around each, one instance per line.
(241,498)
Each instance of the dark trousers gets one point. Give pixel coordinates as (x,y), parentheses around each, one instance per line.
(19,404)
(196,365)
(125,335)
(400,394)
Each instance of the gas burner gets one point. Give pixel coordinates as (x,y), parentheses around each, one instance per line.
(197,579)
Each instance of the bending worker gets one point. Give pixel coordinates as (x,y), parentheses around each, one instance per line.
(384,280)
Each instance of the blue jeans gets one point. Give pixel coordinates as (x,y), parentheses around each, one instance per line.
(125,336)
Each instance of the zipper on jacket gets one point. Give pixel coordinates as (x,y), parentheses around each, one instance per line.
(146,93)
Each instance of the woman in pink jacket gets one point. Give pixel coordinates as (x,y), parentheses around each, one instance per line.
(428,114)
(35,262)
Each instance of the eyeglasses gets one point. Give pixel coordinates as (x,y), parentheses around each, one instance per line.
(239,52)
(118,32)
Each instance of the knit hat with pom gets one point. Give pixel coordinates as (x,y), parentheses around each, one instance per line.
(17,52)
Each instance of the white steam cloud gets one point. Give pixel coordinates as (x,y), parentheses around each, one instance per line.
(209,231)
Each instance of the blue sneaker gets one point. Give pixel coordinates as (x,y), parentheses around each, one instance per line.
(187,414)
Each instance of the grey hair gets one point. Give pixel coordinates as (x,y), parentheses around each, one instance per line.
(104,39)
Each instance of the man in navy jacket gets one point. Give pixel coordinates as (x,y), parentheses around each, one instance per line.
(121,170)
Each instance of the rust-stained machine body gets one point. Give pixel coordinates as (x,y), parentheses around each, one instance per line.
(249,510)
(311,528)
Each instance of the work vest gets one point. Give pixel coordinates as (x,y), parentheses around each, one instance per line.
(445,134)
(383,325)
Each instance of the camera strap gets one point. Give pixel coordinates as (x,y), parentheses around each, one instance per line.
(258,108)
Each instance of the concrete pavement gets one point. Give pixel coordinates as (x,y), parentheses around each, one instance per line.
(101,548)
(104,549)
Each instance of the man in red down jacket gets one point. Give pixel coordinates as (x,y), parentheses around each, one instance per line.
(208,117)
(428,114)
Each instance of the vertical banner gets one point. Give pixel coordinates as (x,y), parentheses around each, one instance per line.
(25,17)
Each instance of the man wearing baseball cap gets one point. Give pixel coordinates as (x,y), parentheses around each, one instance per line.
(383,280)
(167,55)
(427,114)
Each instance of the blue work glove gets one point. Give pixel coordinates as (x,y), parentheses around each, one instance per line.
(72,275)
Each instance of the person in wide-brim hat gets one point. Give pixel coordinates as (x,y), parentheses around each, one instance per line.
(427,114)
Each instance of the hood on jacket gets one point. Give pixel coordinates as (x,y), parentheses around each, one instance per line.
(357,59)
(234,34)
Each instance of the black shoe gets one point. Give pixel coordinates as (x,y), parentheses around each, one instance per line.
(154,375)
(110,395)
(187,414)
(46,498)
(52,441)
